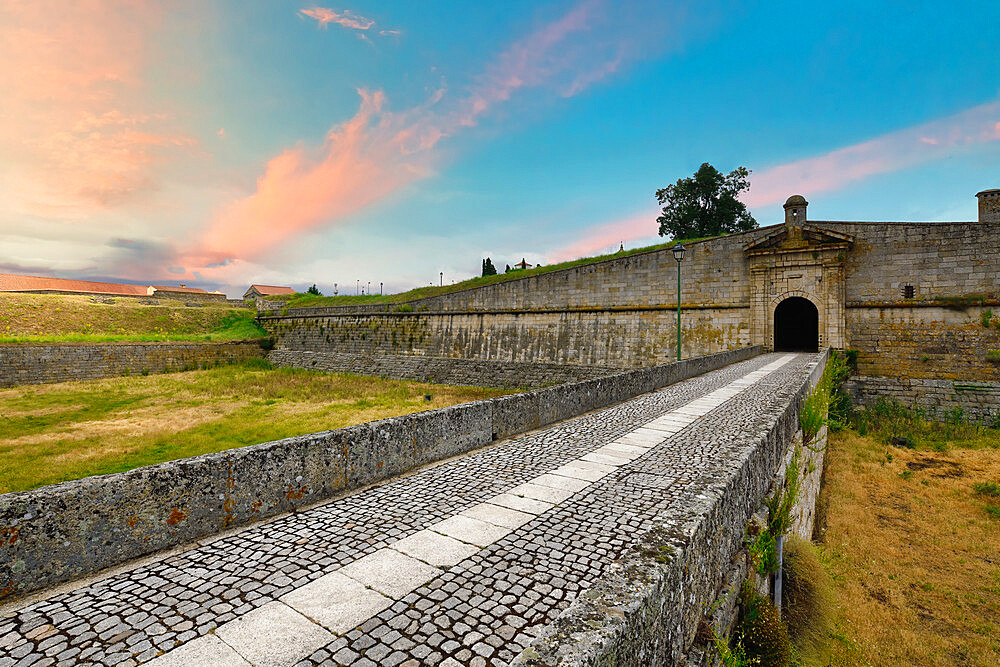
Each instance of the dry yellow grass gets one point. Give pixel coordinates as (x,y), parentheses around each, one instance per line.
(52,433)
(914,552)
(51,316)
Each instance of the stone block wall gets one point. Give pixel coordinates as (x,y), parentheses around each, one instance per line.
(937,259)
(62,531)
(978,402)
(924,341)
(712,273)
(616,338)
(441,370)
(61,362)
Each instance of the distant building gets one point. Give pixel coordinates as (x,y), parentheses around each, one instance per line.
(44,285)
(522,265)
(184,292)
(256,291)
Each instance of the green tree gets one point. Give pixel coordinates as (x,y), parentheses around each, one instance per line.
(488,268)
(314,290)
(705,204)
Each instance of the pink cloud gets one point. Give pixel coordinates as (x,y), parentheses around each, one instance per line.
(347,18)
(362,160)
(606,237)
(75,121)
(377,152)
(890,152)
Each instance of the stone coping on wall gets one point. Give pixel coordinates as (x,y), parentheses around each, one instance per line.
(64,531)
(647,607)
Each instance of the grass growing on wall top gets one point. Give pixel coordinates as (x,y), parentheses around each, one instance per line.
(311,300)
(53,433)
(56,318)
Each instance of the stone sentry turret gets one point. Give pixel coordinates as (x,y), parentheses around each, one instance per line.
(989,205)
(795,217)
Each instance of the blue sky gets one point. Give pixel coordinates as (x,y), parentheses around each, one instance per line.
(291,143)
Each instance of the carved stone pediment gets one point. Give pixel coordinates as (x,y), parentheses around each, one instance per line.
(799,237)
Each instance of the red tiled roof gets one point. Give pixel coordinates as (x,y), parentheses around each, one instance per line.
(14,283)
(269,290)
(179,288)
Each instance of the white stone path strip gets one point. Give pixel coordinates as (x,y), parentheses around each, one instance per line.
(289,629)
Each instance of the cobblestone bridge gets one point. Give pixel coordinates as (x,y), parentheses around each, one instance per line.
(460,563)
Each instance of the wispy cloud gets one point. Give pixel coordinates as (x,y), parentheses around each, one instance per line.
(379,151)
(346,18)
(890,152)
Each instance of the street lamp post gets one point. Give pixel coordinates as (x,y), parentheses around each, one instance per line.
(678,251)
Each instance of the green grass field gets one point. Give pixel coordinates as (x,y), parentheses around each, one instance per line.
(57,432)
(48,318)
(313,301)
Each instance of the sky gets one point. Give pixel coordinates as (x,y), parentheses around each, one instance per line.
(218,144)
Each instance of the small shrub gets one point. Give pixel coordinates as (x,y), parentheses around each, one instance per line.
(992,511)
(763,552)
(761,633)
(729,656)
(985,318)
(993,355)
(955,416)
(991,489)
(808,594)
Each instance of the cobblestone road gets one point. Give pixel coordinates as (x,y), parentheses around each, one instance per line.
(461,563)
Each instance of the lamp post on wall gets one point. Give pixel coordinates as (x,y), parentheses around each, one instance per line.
(679,251)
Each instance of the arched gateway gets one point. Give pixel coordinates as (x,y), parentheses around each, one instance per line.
(797,293)
(796,326)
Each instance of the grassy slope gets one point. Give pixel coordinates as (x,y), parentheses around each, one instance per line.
(61,318)
(913,548)
(53,433)
(310,300)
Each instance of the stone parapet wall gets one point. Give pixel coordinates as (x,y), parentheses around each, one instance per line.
(711,270)
(924,341)
(441,370)
(24,363)
(647,607)
(979,402)
(63,531)
(615,338)
(938,259)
